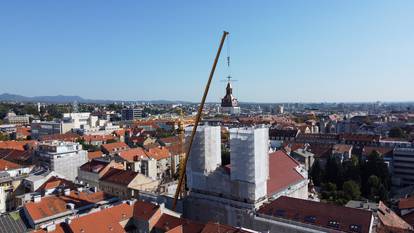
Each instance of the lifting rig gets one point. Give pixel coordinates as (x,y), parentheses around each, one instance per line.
(198,117)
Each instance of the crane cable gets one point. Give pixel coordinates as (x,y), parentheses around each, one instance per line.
(198,117)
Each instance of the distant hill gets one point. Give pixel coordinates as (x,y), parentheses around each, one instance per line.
(6,97)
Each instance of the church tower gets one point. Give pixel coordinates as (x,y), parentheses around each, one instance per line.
(229,103)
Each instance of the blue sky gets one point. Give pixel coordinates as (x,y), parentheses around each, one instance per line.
(281,51)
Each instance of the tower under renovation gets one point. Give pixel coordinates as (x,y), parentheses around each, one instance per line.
(229,193)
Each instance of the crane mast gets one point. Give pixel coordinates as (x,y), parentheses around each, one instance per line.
(197,121)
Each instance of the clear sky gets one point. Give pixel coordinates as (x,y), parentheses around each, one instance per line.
(140,50)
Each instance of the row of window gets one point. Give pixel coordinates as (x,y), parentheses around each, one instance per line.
(312,219)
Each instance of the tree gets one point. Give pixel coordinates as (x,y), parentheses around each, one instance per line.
(316,173)
(334,171)
(374,184)
(4,137)
(351,190)
(225,156)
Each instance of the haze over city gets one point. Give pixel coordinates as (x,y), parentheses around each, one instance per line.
(281,51)
(214,116)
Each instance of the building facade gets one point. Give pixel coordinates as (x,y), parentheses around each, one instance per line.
(64,158)
(131,114)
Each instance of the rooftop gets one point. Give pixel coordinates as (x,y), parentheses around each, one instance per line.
(319,214)
(282,172)
(118,176)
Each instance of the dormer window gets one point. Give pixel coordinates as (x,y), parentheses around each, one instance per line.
(310,219)
(333,224)
(280,213)
(355,228)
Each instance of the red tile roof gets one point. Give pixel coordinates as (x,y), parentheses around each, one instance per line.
(118,176)
(16,145)
(158,153)
(94,154)
(132,154)
(112,147)
(282,172)
(168,222)
(94,166)
(47,207)
(317,213)
(6,165)
(217,227)
(54,182)
(18,156)
(97,138)
(391,222)
(144,210)
(52,205)
(107,220)
(68,137)
(23,131)
(409,218)
(406,203)
(187,227)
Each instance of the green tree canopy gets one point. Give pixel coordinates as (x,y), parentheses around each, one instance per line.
(351,190)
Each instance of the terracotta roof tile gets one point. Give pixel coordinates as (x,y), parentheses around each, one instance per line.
(217,227)
(94,154)
(107,220)
(16,145)
(317,213)
(6,165)
(118,176)
(69,137)
(282,172)
(390,221)
(406,203)
(52,205)
(158,153)
(113,147)
(97,138)
(54,182)
(132,154)
(144,210)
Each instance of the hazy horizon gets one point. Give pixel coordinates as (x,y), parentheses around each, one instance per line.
(281,51)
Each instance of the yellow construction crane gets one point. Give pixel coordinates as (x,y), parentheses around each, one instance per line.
(200,110)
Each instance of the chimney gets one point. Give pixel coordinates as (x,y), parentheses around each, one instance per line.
(37,198)
(70,206)
(51,227)
(66,192)
(131,202)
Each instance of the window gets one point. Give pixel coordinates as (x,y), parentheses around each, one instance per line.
(310,219)
(333,224)
(355,228)
(280,213)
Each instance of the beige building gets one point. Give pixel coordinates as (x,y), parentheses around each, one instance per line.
(126,184)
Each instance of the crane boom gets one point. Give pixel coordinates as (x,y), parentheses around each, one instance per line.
(198,117)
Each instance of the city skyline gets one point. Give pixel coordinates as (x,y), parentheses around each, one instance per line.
(300,52)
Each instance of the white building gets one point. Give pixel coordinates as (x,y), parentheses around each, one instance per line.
(230,193)
(63,157)
(80,119)
(249,159)
(12,118)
